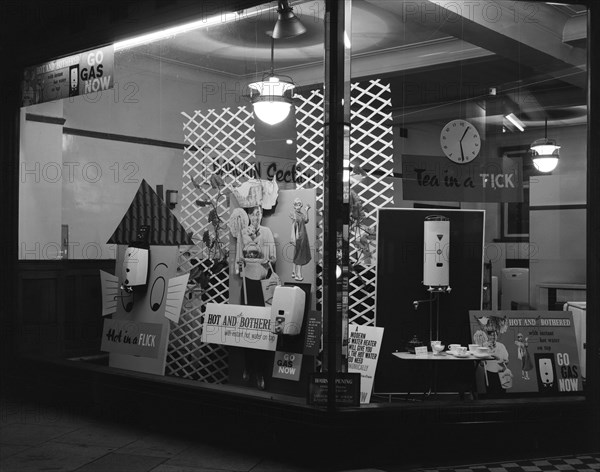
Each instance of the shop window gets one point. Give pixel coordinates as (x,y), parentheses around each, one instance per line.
(445,104)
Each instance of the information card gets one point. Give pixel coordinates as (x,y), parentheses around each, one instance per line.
(363,350)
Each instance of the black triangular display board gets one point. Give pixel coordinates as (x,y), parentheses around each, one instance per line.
(147,208)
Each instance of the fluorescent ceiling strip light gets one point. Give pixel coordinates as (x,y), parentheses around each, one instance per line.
(175,30)
(515,121)
(347,42)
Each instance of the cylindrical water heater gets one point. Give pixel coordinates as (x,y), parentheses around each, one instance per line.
(436,252)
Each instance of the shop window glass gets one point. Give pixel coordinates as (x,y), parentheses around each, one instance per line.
(448,100)
(162,172)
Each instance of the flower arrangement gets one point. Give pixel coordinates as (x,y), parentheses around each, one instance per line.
(212,236)
(361,234)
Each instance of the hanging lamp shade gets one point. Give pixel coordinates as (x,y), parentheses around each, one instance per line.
(545,163)
(269,99)
(288,25)
(545,152)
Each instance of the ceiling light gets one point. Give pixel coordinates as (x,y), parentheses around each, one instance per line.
(271,103)
(545,152)
(175,30)
(288,25)
(515,121)
(545,163)
(347,42)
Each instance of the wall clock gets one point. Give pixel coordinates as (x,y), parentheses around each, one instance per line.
(460,141)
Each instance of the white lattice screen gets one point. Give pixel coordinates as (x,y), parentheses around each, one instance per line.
(309,165)
(223,141)
(371,148)
(216,142)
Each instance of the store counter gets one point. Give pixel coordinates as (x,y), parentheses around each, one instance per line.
(554,287)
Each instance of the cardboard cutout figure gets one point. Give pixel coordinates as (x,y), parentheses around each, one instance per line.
(147,292)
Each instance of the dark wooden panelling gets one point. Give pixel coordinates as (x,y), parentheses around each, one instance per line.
(59,311)
(39,298)
(83,312)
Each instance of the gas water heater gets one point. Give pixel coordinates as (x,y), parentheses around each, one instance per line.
(436,253)
(135,263)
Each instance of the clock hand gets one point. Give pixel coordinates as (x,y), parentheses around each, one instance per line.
(464,134)
(460,143)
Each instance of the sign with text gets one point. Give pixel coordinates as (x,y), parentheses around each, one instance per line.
(87,72)
(347,389)
(287,365)
(281,170)
(312,340)
(539,349)
(132,338)
(239,325)
(363,350)
(433,178)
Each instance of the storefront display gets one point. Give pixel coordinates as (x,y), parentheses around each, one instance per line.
(229,284)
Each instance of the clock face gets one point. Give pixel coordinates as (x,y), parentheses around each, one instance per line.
(460,141)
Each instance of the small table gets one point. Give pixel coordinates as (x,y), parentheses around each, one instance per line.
(442,357)
(553,287)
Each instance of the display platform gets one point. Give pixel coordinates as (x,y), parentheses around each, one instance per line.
(250,415)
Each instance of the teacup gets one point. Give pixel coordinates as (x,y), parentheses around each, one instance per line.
(460,351)
(452,347)
(473,347)
(483,350)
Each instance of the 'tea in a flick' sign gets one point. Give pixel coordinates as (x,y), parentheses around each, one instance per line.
(482,180)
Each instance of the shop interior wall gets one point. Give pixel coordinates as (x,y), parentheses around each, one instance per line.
(556,250)
(40,189)
(100,175)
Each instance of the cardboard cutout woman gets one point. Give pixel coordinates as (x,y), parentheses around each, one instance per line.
(258,255)
(300,238)
(524,356)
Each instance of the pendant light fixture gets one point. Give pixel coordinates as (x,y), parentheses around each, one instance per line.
(545,152)
(288,25)
(270,98)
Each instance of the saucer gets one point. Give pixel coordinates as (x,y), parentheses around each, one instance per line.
(481,354)
(456,354)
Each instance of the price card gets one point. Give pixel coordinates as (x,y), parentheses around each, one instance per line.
(421,351)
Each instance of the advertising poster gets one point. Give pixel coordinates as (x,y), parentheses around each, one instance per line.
(239,326)
(291,226)
(363,350)
(535,351)
(287,365)
(433,178)
(136,327)
(79,74)
(131,338)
